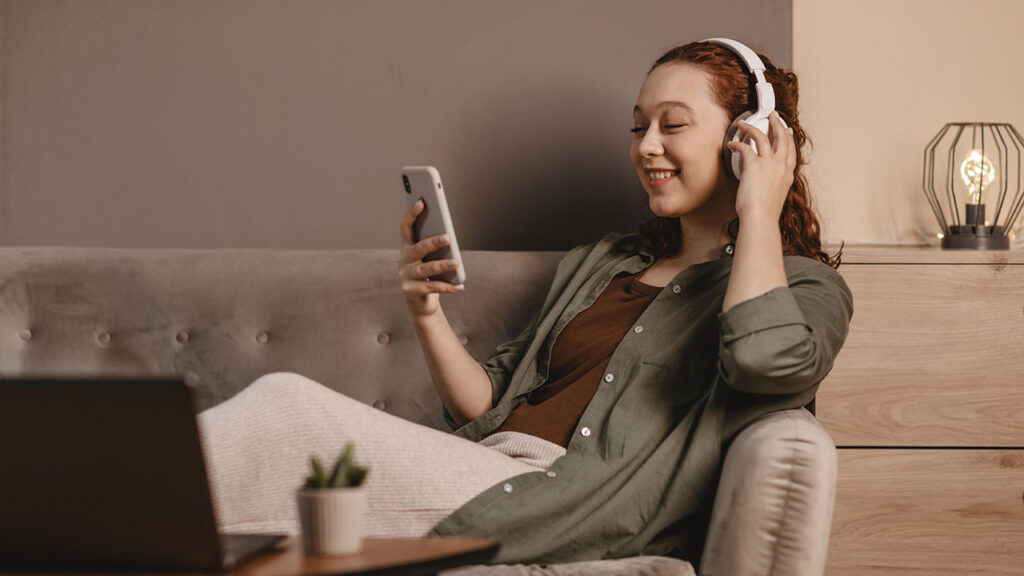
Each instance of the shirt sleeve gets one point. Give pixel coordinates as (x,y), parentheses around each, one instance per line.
(503,361)
(501,364)
(784,341)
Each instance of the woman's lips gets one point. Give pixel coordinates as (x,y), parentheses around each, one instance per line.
(661,177)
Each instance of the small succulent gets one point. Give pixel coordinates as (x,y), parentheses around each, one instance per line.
(345,473)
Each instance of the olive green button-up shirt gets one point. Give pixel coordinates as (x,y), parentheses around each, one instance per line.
(641,469)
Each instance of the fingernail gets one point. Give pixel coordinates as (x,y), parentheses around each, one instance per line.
(453,263)
(460,287)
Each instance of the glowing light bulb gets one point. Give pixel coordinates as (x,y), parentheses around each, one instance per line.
(977,173)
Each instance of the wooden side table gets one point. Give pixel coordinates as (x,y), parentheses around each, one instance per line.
(380,556)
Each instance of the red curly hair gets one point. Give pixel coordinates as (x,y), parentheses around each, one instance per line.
(733,88)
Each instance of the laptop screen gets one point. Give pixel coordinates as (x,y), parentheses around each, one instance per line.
(103,472)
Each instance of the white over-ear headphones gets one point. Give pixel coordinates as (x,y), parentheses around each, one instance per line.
(758,118)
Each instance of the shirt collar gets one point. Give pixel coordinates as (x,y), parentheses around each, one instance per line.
(646,258)
(727,250)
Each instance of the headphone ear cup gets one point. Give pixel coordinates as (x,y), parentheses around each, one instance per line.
(731,159)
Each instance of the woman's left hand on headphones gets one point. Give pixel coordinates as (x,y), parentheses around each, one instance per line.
(767,173)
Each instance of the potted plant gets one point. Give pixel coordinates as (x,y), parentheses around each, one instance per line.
(331,507)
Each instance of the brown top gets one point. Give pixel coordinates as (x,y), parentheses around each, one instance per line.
(578,360)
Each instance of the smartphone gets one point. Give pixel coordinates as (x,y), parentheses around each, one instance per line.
(424,182)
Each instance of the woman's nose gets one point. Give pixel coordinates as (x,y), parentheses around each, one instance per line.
(650,144)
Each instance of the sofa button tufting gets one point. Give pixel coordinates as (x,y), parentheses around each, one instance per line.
(380,405)
(25,334)
(552,473)
(383,338)
(182,337)
(463,339)
(262,337)
(104,338)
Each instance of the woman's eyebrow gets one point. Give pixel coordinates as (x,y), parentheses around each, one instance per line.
(668,103)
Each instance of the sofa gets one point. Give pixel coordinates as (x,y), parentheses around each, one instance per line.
(224,317)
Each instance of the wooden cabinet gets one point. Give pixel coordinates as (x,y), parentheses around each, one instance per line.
(926,405)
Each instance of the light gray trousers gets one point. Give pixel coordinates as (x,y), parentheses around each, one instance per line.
(258,444)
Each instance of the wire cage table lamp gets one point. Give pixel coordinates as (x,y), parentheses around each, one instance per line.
(972,181)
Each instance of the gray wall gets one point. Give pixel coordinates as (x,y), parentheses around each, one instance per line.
(145,123)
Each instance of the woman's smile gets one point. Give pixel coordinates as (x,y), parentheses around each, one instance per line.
(659,178)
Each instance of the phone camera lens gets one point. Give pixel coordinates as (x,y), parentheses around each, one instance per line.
(405,181)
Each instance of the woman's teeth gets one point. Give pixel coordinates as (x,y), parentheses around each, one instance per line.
(662,175)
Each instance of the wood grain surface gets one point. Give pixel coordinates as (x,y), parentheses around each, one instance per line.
(379,556)
(868,254)
(934,357)
(928,512)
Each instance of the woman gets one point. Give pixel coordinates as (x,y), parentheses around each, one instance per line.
(599,431)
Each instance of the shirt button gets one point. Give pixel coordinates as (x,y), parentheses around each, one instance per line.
(585,432)
(552,473)
(609,377)
(676,289)
(638,329)
(507,488)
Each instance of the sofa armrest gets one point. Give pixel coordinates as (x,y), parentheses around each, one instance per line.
(773,510)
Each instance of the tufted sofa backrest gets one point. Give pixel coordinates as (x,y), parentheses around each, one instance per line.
(225,317)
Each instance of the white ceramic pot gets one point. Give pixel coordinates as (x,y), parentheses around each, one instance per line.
(332,520)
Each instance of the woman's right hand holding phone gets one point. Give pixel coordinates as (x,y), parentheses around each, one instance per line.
(421,293)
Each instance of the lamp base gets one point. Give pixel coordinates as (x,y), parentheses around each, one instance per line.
(975,238)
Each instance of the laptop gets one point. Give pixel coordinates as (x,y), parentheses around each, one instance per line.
(108,473)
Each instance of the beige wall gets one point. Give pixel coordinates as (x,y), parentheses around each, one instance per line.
(150,123)
(3,118)
(878,79)
(258,123)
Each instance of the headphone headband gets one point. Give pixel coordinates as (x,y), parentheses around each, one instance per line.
(765,104)
(765,92)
